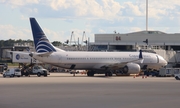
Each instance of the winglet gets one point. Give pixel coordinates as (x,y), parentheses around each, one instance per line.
(140,54)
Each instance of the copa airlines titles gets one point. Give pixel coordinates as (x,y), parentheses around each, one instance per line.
(136,56)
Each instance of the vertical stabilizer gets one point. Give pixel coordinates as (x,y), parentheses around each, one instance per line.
(41,42)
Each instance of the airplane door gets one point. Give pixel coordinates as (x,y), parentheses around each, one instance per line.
(157,59)
(60,58)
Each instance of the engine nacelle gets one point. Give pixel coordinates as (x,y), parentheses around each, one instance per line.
(131,68)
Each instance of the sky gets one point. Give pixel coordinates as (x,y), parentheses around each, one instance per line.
(58,18)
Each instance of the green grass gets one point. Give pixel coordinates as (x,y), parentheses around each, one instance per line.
(13,64)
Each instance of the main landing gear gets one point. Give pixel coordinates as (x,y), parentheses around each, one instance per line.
(108,73)
(90,73)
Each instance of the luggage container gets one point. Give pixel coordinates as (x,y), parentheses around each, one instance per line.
(166,72)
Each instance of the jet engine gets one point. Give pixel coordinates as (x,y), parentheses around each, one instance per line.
(131,68)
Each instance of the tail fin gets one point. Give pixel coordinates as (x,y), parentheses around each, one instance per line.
(41,42)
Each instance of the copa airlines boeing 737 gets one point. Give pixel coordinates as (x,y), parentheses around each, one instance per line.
(127,62)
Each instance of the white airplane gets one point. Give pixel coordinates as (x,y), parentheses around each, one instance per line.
(94,62)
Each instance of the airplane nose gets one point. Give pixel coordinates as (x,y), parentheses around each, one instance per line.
(162,60)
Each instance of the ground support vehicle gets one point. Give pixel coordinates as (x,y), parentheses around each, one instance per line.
(38,70)
(12,72)
(166,72)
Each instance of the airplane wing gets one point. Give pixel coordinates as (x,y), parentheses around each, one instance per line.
(44,54)
(40,54)
(122,64)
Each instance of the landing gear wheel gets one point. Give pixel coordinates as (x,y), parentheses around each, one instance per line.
(26,74)
(110,73)
(177,78)
(11,75)
(106,74)
(45,75)
(4,76)
(38,74)
(90,73)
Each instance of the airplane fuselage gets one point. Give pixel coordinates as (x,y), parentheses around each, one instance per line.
(126,62)
(95,60)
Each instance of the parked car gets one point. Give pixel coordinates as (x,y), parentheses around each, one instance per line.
(12,72)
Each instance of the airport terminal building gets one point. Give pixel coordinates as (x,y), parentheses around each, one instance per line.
(142,39)
(164,44)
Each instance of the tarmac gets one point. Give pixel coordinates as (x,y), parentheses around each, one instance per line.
(63,90)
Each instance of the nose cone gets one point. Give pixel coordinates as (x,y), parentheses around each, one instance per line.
(162,60)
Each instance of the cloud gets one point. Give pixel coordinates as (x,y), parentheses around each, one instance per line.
(133,9)
(134,29)
(68,8)
(162,8)
(11,32)
(19,3)
(102,16)
(98,9)
(55,36)
(24,18)
(86,8)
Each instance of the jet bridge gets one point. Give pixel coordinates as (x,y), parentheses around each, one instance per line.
(23,57)
(25,61)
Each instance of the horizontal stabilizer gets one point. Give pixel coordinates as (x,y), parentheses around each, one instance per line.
(40,54)
(44,54)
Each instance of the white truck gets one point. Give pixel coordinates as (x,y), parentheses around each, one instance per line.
(38,70)
(12,72)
